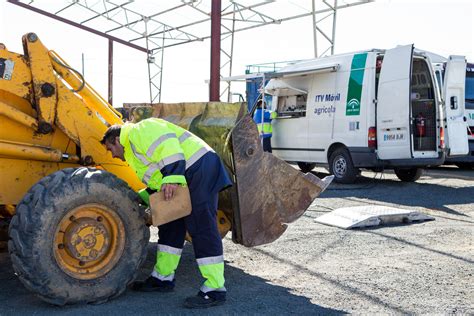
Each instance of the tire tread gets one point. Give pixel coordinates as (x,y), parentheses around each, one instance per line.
(33,206)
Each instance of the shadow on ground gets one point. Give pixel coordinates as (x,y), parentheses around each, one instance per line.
(247,294)
(411,194)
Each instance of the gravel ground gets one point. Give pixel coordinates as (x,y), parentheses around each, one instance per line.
(425,268)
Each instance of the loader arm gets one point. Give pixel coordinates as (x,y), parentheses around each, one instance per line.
(53,116)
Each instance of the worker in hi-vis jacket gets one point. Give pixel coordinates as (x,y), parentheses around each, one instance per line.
(264,124)
(165,156)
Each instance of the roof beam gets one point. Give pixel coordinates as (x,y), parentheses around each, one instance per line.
(78,25)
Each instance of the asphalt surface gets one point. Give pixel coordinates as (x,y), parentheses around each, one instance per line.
(425,268)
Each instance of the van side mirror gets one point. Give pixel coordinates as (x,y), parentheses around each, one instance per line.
(454,102)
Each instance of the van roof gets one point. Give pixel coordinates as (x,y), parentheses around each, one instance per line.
(310,64)
(314,63)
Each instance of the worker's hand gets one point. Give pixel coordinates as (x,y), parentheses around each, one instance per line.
(169,189)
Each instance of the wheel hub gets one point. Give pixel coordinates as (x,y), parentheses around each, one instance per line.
(340,166)
(87,239)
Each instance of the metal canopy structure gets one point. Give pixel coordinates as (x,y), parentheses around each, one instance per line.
(153,26)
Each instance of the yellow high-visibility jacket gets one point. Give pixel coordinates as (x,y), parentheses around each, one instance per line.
(160,152)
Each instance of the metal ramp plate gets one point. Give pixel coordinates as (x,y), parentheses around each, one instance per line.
(371,215)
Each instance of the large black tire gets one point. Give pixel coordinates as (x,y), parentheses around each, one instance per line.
(341,166)
(33,230)
(465,165)
(306,166)
(408,174)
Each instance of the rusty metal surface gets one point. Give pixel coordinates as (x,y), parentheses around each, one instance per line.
(268,193)
(271,193)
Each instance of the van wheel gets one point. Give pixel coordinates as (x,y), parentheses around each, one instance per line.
(465,165)
(408,174)
(78,236)
(306,166)
(341,166)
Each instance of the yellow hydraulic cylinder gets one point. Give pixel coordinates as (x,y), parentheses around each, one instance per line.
(18,116)
(44,81)
(20,151)
(93,100)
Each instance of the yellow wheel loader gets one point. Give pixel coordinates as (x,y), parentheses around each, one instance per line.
(77,232)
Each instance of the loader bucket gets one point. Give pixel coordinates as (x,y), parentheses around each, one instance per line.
(271,193)
(268,193)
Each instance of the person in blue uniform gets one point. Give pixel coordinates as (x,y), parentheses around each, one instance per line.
(264,124)
(164,156)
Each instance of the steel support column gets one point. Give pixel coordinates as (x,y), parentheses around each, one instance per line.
(155,64)
(214,89)
(328,30)
(111,71)
(315,33)
(227,49)
(334,19)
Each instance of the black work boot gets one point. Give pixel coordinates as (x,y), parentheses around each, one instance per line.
(204,300)
(153,284)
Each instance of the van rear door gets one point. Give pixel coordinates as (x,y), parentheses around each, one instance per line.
(393,104)
(454,86)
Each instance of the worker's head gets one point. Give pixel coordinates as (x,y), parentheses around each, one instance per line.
(259,104)
(111,141)
(378,64)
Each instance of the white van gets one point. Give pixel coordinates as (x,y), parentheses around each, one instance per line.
(372,109)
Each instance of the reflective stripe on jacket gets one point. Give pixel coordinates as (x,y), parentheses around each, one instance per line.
(267,121)
(160,151)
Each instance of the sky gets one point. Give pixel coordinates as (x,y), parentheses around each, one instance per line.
(445,27)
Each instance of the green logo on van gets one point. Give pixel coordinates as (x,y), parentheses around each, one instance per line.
(354,89)
(353,106)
